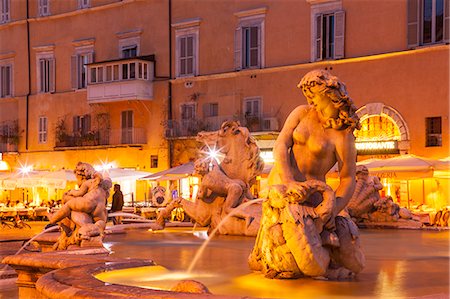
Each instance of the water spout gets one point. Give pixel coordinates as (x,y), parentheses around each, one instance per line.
(232,213)
(50,229)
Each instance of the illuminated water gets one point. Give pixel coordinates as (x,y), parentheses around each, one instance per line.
(400,264)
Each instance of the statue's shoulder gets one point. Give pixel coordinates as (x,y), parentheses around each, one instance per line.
(300,112)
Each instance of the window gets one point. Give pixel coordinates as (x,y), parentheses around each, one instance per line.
(43,129)
(329,35)
(252,107)
(154,161)
(129,51)
(84,3)
(186,49)
(249,40)
(428,22)
(81,125)
(127,127)
(129,43)
(79,69)
(186,56)
(44,8)
(5,81)
(46,74)
(211,109)
(433,131)
(187,111)
(5,11)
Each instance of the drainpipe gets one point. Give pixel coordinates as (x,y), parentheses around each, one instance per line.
(27,100)
(169,102)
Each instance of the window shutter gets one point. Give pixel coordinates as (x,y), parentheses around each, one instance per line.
(52,76)
(2,85)
(8,81)
(259,47)
(74,71)
(318,46)
(339,34)
(446,21)
(238,49)
(75,124)
(413,23)
(86,123)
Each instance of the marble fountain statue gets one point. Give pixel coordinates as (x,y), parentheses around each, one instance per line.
(301,224)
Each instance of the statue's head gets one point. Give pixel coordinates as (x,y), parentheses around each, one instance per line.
(324,83)
(85,171)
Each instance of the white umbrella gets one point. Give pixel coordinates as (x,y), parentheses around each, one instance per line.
(174,173)
(58,179)
(122,174)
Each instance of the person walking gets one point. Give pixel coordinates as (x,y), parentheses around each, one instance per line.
(117,203)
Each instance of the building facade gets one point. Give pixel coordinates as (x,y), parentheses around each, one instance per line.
(133,81)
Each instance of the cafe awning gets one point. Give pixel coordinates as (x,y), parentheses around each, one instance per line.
(405,167)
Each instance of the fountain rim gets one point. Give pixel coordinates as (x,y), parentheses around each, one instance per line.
(80,281)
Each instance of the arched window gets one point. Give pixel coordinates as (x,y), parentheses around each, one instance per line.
(377,128)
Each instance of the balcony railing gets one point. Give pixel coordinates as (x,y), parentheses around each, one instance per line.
(119,80)
(8,147)
(190,127)
(105,137)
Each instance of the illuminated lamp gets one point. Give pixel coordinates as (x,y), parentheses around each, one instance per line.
(4,166)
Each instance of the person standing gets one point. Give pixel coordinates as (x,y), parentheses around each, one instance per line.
(117,203)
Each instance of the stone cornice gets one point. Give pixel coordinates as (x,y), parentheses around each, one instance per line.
(187,23)
(44,48)
(130,33)
(83,42)
(251,12)
(7,55)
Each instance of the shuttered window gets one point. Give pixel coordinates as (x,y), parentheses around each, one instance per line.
(127,126)
(188,111)
(428,22)
(46,75)
(84,4)
(433,131)
(81,125)
(252,107)
(44,8)
(5,81)
(43,129)
(249,42)
(330,35)
(248,49)
(210,109)
(5,11)
(79,69)
(186,56)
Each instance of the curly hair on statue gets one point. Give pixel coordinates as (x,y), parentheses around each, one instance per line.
(85,170)
(323,82)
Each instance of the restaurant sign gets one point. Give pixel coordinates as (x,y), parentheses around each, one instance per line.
(377,147)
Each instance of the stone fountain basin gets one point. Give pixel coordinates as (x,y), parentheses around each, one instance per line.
(73,275)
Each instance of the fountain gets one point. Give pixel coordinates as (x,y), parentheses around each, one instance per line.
(302,228)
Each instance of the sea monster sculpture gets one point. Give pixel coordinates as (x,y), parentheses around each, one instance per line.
(83,216)
(225,182)
(367,206)
(305,230)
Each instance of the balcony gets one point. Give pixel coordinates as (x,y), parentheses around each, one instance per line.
(105,137)
(120,80)
(190,127)
(6,147)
